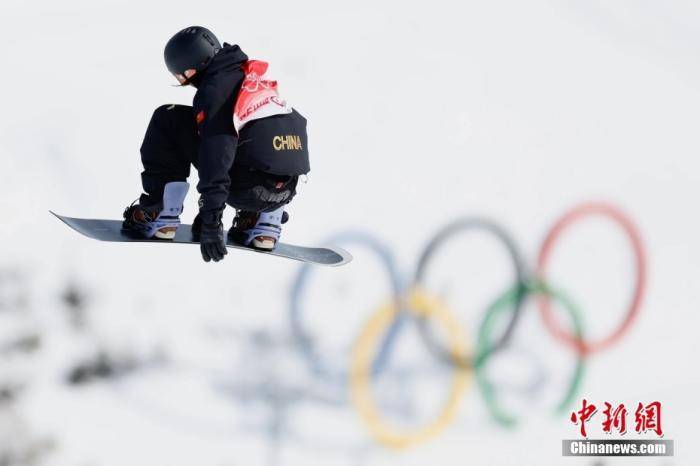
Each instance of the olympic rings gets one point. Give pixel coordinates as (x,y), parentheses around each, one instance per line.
(440,238)
(369,352)
(317,364)
(494,310)
(362,362)
(572,216)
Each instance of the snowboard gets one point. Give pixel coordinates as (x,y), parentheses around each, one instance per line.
(111,230)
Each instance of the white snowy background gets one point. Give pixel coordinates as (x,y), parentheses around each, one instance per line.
(418,112)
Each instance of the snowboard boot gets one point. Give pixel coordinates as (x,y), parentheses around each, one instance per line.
(156,222)
(259,230)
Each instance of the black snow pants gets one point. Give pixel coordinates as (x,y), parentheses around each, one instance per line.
(171,145)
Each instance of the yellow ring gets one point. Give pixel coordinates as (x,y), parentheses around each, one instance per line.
(362,359)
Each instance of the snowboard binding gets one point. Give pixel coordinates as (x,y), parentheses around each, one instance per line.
(259,230)
(161,223)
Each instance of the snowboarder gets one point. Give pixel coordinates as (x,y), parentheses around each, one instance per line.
(248,145)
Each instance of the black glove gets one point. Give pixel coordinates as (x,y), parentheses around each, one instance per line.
(211,242)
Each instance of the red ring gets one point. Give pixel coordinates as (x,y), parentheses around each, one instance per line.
(545,305)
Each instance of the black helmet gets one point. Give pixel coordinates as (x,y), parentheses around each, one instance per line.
(191,49)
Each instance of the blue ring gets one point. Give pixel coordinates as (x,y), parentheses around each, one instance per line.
(317,364)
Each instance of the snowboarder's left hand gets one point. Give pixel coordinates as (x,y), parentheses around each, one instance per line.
(212,243)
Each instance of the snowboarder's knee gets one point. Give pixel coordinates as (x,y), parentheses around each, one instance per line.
(173,112)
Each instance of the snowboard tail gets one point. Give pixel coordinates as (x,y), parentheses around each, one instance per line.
(111,230)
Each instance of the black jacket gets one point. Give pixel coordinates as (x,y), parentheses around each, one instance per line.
(260,145)
(217,88)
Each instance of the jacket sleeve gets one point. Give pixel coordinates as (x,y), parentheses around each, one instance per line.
(217,150)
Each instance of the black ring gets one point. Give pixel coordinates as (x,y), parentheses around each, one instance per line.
(521,278)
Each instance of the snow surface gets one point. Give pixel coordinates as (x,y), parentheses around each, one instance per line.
(418,112)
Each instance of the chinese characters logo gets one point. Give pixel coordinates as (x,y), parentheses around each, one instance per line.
(646,418)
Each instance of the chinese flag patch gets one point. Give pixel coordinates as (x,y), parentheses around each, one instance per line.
(200,117)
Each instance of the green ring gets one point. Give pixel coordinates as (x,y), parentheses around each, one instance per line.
(505,303)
